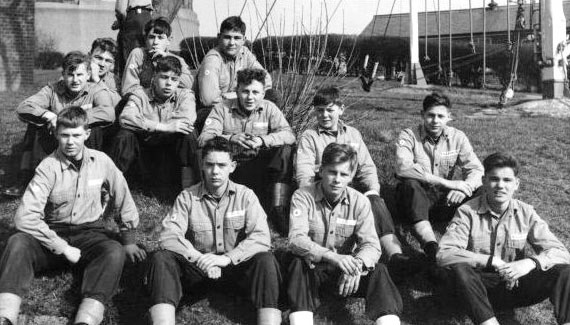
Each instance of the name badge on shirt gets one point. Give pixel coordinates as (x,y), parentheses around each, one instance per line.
(449,153)
(95,182)
(518,237)
(235,214)
(346,222)
(260,125)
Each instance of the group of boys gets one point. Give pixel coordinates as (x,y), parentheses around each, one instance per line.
(239,167)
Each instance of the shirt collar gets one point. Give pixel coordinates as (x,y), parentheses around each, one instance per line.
(203,192)
(484,208)
(424,136)
(320,195)
(66,164)
(341,128)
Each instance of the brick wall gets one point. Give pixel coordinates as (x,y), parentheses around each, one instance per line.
(16,44)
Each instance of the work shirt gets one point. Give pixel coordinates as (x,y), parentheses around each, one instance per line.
(97,101)
(217,75)
(139,71)
(266,121)
(476,233)
(122,6)
(111,81)
(235,226)
(144,111)
(310,153)
(418,158)
(316,228)
(60,194)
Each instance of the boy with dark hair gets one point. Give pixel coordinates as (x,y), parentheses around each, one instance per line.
(216,233)
(40,112)
(261,137)
(139,68)
(333,239)
(157,123)
(217,74)
(427,159)
(328,108)
(103,53)
(484,250)
(59,223)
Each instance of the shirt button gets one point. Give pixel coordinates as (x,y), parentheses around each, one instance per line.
(219,244)
(218,227)
(498,244)
(74,214)
(78,195)
(332,232)
(436,165)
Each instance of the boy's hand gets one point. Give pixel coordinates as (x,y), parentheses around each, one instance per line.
(206,261)
(175,126)
(512,271)
(346,263)
(241,139)
(95,72)
(158,53)
(51,119)
(497,262)
(460,186)
(135,253)
(87,106)
(214,272)
(72,254)
(348,284)
(254,142)
(455,197)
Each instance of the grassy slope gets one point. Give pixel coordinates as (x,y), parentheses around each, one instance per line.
(541,144)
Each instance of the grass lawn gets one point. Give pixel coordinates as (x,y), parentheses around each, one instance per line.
(542,144)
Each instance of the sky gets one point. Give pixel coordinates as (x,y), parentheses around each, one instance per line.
(345,16)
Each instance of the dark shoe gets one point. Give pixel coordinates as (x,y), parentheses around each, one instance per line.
(14,191)
(5,321)
(431,249)
(403,266)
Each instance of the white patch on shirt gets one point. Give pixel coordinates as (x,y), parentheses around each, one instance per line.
(518,236)
(208,121)
(131,66)
(449,153)
(235,214)
(347,222)
(451,227)
(260,124)
(354,145)
(95,182)
(402,143)
(207,72)
(296,213)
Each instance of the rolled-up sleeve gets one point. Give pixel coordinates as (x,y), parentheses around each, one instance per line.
(102,112)
(174,227)
(453,244)
(257,238)
(305,159)
(406,167)
(281,132)
(214,126)
(187,107)
(33,108)
(209,81)
(471,167)
(549,249)
(299,241)
(368,244)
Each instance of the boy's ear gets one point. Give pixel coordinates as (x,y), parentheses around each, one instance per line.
(233,166)
(341,109)
(87,133)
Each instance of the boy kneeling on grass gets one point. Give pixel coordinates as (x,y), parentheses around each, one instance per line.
(217,233)
(332,239)
(157,128)
(330,129)
(484,250)
(427,158)
(59,223)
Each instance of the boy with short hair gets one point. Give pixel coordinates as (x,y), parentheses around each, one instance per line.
(328,108)
(216,233)
(157,125)
(333,238)
(40,112)
(59,223)
(103,53)
(484,250)
(139,67)
(427,158)
(261,137)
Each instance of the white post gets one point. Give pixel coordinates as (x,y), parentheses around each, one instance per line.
(553,30)
(415,75)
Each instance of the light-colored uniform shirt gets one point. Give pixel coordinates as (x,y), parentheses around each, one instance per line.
(139,71)
(111,81)
(316,228)
(420,159)
(476,233)
(60,194)
(235,226)
(267,121)
(144,111)
(217,75)
(310,153)
(54,98)
(122,6)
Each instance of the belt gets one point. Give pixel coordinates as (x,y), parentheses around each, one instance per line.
(139,9)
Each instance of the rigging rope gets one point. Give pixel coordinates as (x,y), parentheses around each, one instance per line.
(471,42)
(426,56)
(508,90)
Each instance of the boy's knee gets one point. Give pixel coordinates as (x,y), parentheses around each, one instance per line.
(113,252)
(462,272)
(161,258)
(20,243)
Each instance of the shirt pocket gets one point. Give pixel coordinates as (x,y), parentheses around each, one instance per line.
(481,244)
(516,241)
(345,227)
(260,128)
(203,236)
(448,158)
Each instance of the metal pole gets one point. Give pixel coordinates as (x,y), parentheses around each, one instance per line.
(426,31)
(438,35)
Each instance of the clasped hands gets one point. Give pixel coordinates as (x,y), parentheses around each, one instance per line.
(351,268)
(511,272)
(247,141)
(212,264)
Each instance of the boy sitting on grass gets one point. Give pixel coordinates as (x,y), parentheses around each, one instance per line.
(427,159)
(330,129)
(333,240)
(484,250)
(157,128)
(60,223)
(217,234)
(139,67)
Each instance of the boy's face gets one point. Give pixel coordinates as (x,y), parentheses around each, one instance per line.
(334,179)
(216,168)
(500,185)
(328,115)
(231,41)
(435,119)
(157,42)
(104,60)
(72,141)
(250,96)
(76,80)
(165,83)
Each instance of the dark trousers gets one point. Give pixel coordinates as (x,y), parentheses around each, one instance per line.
(381,294)
(417,202)
(170,276)
(102,260)
(130,35)
(156,157)
(382,216)
(480,291)
(262,168)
